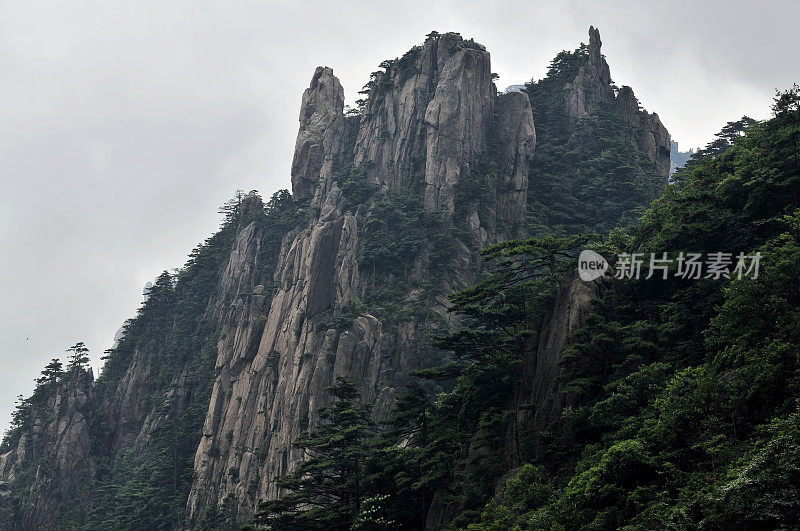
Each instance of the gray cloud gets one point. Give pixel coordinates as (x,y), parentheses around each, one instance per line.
(124,125)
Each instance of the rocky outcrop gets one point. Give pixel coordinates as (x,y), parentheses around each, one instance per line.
(319,140)
(457,118)
(647,132)
(428,119)
(592,86)
(516,136)
(543,397)
(592,89)
(53,458)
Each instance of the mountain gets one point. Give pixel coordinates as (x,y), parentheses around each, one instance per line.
(193,417)
(678,158)
(599,157)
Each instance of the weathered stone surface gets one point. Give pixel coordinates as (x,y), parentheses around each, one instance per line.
(423,128)
(8,505)
(592,85)
(57,452)
(457,119)
(647,132)
(319,140)
(516,136)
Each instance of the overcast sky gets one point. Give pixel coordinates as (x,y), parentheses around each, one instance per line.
(125,124)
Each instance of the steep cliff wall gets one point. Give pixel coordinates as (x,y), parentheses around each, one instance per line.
(53,459)
(428,121)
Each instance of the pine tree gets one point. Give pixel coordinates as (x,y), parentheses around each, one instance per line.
(326,490)
(79,357)
(51,373)
(402,461)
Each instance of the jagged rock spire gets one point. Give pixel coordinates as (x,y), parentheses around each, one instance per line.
(319,140)
(596,57)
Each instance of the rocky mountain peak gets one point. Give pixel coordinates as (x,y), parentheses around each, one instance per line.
(593,88)
(390,207)
(596,57)
(320,134)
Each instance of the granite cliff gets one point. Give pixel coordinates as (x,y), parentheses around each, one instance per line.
(427,121)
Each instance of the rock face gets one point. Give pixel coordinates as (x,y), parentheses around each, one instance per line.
(517,138)
(647,131)
(54,458)
(321,134)
(8,506)
(592,85)
(542,397)
(457,118)
(427,121)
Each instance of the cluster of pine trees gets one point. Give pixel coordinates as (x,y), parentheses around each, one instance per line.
(587,175)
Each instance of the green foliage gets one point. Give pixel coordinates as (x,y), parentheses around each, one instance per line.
(464,429)
(687,413)
(787,101)
(20,422)
(501,309)
(730,133)
(372,515)
(52,372)
(359,475)
(326,490)
(79,358)
(586,175)
(394,233)
(354,184)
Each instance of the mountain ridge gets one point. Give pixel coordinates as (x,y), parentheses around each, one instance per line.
(228,363)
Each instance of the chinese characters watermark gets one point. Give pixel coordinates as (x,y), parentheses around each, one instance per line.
(690,266)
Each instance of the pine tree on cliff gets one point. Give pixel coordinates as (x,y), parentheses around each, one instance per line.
(326,490)
(51,373)
(79,357)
